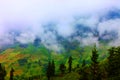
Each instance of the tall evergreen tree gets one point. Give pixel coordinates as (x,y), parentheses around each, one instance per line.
(11,74)
(94,65)
(62,68)
(2,72)
(53,68)
(118,62)
(83,63)
(48,73)
(70,64)
(111,62)
(83,71)
(114,63)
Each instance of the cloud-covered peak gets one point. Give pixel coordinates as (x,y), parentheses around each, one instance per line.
(83,20)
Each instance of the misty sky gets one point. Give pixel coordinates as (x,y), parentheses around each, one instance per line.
(30,18)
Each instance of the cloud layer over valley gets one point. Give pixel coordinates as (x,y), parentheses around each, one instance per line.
(87,21)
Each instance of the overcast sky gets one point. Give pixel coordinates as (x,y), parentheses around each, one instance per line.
(30,16)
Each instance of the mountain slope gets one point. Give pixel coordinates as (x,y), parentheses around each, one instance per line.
(32,61)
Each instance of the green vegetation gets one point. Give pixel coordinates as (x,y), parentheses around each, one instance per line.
(38,63)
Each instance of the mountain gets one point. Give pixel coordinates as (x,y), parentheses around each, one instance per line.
(32,60)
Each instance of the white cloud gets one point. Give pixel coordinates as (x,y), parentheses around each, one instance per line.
(89,21)
(109,25)
(90,40)
(26,37)
(44,10)
(28,16)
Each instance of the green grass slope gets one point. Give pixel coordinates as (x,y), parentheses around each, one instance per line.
(32,61)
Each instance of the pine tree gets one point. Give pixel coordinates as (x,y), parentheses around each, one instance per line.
(83,71)
(111,62)
(83,63)
(53,68)
(11,74)
(62,68)
(2,72)
(48,73)
(70,64)
(114,63)
(118,63)
(94,65)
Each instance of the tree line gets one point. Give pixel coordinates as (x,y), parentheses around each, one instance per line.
(108,70)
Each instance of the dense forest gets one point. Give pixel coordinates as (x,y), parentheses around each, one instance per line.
(109,69)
